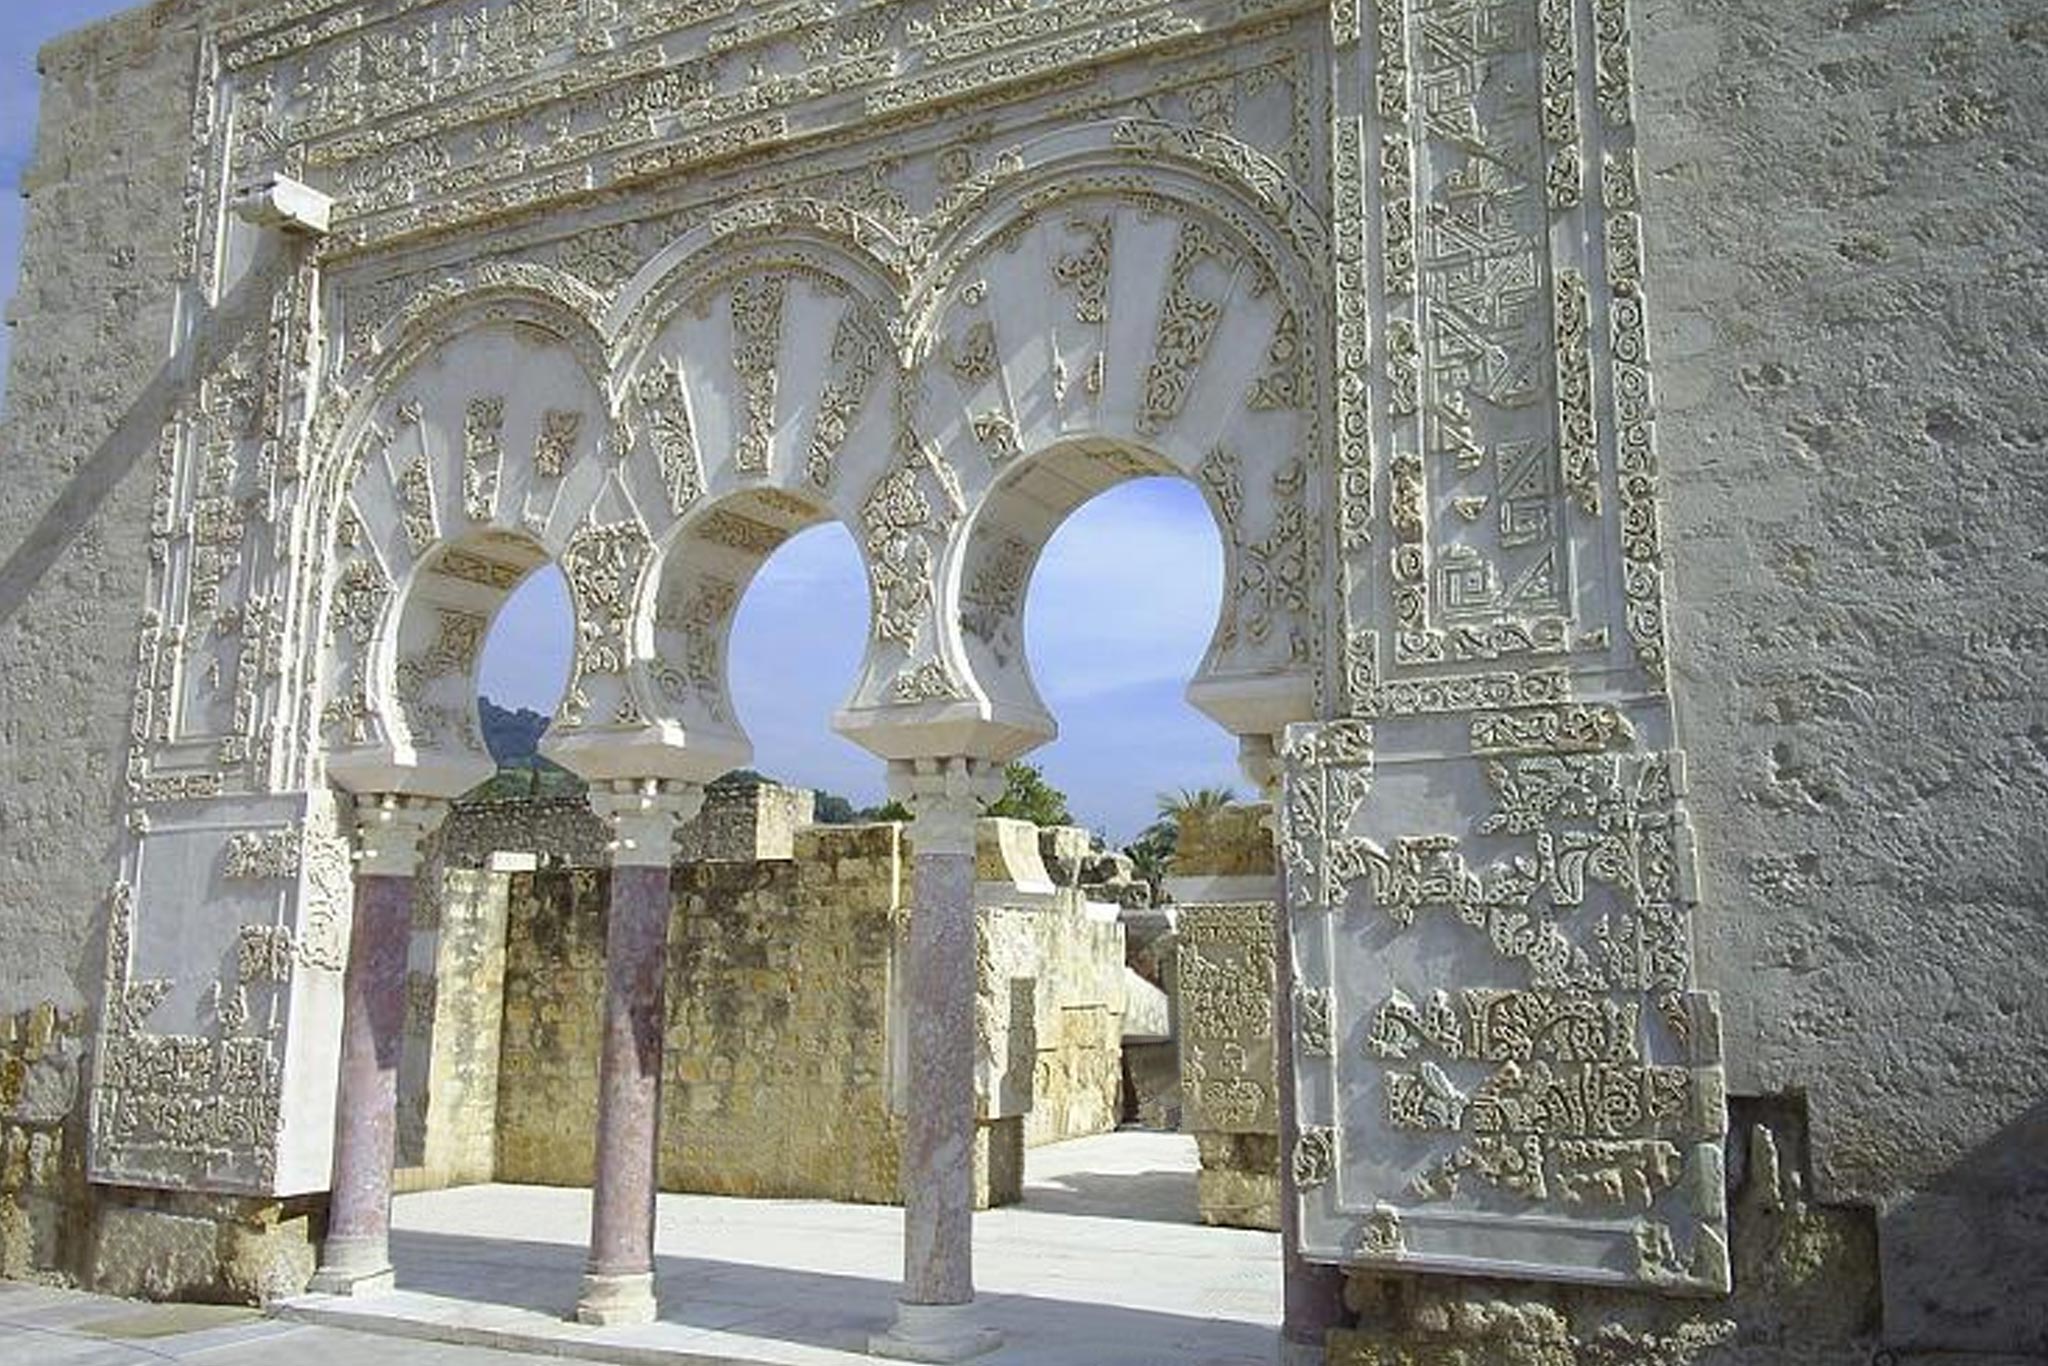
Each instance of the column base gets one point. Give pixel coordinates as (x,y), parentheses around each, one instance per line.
(609,1300)
(934,1332)
(354,1266)
(1300,1353)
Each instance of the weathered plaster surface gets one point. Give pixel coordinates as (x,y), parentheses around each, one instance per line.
(92,319)
(1844,204)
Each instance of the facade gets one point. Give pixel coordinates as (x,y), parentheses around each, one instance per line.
(1621,419)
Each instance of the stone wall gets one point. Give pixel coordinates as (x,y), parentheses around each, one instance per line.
(559,831)
(777,1045)
(746,820)
(1051,997)
(44,1216)
(1843,201)
(87,395)
(784,1076)
(455,992)
(548,1051)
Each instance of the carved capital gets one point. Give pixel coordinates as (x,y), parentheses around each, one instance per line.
(945,797)
(643,815)
(390,829)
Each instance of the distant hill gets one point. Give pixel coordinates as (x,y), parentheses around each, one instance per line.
(512,737)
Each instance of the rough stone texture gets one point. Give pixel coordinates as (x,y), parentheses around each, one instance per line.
(746,820)
(43,1197)
(91,314)
(559,831)
(448,1083)
(778,1045)
(554,994)
(1239,1184)
(92,317)
(1806,1291)
(1229,841)
(169,1245)
(778,1055)
(1049,1010)
(1844,200)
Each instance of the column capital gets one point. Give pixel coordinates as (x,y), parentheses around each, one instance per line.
(643,815)
(391,827)
(945,797)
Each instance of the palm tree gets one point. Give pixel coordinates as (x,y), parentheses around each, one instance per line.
(1199,801)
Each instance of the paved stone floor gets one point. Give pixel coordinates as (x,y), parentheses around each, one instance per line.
(42,1327)
(1102,1265)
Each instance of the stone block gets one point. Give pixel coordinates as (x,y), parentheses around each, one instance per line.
(1235,1199)
(152,1254)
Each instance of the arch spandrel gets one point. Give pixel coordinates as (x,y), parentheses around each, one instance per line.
(477,451)
(1104,333)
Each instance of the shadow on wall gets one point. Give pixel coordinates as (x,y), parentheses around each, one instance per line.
(1969,1255)
(214,334)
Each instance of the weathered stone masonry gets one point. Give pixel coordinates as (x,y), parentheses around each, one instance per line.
(1620,416)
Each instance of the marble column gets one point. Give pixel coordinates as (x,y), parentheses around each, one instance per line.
(355,1259)
(618,1283)
(935,1313)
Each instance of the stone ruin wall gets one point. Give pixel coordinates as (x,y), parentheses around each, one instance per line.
(780,1077)
(1840,205)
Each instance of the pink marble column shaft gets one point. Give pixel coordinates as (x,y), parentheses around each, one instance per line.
(938,1135)
(629,1080)
(356,1255)
(935,1313)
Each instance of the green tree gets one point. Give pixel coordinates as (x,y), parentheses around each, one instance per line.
(891,810)
(1198,801)
(1151,854)
(1027,796)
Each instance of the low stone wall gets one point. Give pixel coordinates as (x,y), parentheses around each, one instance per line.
(1050,997)
(778,1047)
(784,1070)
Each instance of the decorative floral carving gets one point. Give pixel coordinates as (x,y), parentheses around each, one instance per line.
(665,401)
(1187,324)
(855,359)
(555,447)
(757,347)
(603,563)
(483,451)
(253,854)
(1315,1157)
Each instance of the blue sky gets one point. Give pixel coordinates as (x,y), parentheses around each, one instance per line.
(1118,615)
